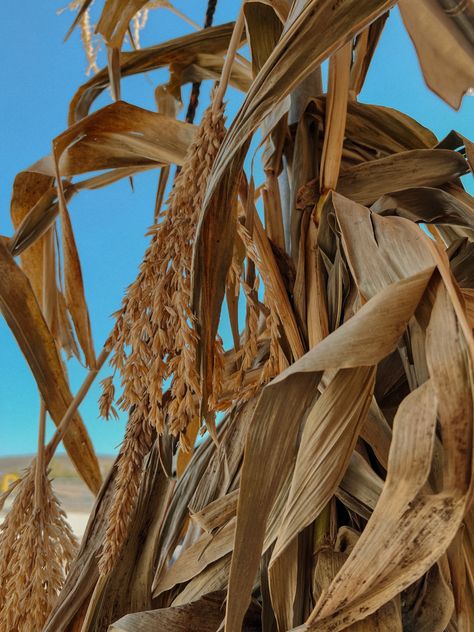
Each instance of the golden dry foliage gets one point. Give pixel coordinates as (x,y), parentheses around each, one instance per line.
(335,491)
(37,547)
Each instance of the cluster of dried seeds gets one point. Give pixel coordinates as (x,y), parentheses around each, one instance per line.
(37,546)
(155,336)
(154,340)
(106,400)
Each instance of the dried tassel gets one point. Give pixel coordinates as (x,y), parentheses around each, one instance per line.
(156,322)
(136,445)
(157,326)
(36,548)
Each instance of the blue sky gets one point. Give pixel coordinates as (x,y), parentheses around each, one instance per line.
(39,76)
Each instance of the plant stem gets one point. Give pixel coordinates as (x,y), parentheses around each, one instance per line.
(74,405)
(229,60)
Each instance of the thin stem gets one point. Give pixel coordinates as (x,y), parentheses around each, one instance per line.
(196,87)
(322,526)
(336,113)
(40,460)
(74,405)
(229,60)
(49,300)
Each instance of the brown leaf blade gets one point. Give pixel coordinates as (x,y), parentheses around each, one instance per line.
(446,55)
(362,341)
(25,319)
(74,289)
(328,440)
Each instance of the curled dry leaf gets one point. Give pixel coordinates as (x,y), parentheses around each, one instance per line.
(117,136)
(182,51)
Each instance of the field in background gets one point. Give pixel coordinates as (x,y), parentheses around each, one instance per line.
(75,498)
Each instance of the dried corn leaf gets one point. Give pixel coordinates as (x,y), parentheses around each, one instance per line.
(445,53)
(182,51)
(217,513)
(428,608)
(33,210)
(428,205)
(283,585)
(196,558)
(377,433)
(360,487)
(468,296)
(387,619)
(329,436)
(202,615)
(336,113)
(379,250)
(263,28)
(37,217)
(25,319)
(364,50)
(450,369)
(295,56)
(205,66)
(215,577)
(276,283)
(115,18)
(74,288)
(29,191)
(362,341)
(380,129)
(366,182)
(117,136)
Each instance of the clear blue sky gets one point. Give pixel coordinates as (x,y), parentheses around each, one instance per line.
(38,76)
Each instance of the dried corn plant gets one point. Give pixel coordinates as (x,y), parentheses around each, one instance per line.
(334,487)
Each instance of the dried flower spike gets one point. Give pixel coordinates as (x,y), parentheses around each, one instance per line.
(156,327)
(36,549)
